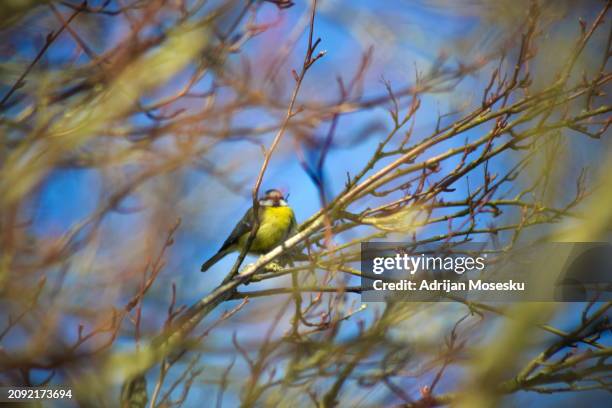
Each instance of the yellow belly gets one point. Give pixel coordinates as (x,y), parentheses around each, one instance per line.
(274,228)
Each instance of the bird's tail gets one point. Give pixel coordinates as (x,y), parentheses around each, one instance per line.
(214,259)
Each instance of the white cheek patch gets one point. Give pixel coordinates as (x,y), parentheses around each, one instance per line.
(270,203)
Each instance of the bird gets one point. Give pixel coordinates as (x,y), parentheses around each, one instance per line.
(276,224)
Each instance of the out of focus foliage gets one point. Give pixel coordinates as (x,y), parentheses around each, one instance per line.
(134,134)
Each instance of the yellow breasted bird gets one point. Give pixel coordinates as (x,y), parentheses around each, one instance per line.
(276,223)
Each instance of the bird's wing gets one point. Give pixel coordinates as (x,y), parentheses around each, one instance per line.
(244,226)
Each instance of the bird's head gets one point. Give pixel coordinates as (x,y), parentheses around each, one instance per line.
(273,198)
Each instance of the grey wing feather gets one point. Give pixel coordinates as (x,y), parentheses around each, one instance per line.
(244,226)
